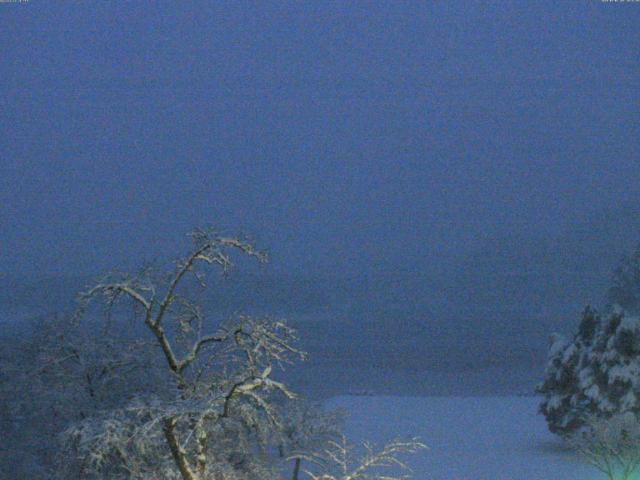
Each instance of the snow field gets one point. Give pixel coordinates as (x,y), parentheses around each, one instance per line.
(469,438)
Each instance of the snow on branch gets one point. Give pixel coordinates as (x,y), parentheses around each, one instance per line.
(372,465)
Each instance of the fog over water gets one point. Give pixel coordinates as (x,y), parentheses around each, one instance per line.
(435,182)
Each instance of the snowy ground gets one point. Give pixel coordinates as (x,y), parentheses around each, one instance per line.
(472,438)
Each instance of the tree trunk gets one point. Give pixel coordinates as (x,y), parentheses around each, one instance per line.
(179,455)
(296,468)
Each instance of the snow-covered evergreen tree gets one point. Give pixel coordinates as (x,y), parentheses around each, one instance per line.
(625,287)
(597,373)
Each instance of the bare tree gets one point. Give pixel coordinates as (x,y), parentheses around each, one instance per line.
(220,379)
(144,385)
(612,445)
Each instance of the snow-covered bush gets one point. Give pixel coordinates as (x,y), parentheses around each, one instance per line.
(372,464)
(595,374)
